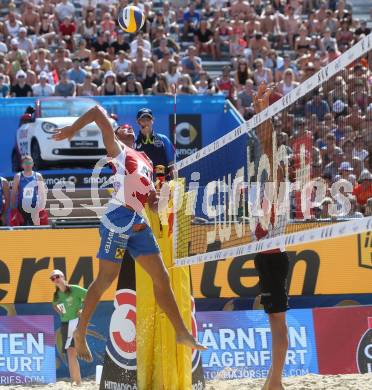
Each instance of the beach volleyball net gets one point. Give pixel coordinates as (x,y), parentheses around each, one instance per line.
(287,175)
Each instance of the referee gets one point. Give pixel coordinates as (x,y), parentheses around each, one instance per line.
(157,147)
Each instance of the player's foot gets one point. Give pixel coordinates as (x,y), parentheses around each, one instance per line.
(189,341)
(81,346)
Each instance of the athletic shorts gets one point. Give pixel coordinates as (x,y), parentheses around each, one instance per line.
(64,334)
(272,270)
(118,231)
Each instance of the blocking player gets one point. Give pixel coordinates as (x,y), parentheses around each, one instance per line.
(124,228)
(272,266)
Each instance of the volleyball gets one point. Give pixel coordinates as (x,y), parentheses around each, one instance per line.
(131,19)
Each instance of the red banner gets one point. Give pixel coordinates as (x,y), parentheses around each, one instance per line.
(344,339)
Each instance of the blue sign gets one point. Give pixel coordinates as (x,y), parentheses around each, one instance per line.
(27,350)
(239,344)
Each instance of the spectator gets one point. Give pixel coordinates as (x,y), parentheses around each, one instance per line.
(97,74)
(76,73)
(161,50)
(288,83)
(363,191)
(191,19)
(262,74)
(355,119)
(21,89)
(161,87)
(61,61)
(149,78)
(222,36)
(88,28)
(287,64)
(204,84)
(186,86)
(65,87)
(240,7)
(302,42)
(139,64)
(65,9)
(12,25)
(317,105)
(356,163)
(100,45)
(45,28)
(88,88)
(108,25)
(327,41)
(131,86)
(161,66)
(83,54)
(204,40)
(191,64)
(15,54)
(226,84)
(120,44)
(345,171)
(110,86)
(30,18)
(67,30)
(4,87)
(121,66)
(359,151)
(140,41)
(28,193)
(245,99)
(4,200)
(46,7)
(173,74)
(105,64)
(24,43)
(41,63)
(43,88)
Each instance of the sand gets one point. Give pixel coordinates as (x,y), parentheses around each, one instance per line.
(307,382)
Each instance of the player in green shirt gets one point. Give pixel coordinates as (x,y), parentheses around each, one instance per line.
(67,302)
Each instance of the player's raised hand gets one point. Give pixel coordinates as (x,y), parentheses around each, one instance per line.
(63,133)
(262,97)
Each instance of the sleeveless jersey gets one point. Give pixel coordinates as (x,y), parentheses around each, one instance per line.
(28,190)
(133,179)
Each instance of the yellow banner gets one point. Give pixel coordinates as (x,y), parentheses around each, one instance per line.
(28,257)
(336,266)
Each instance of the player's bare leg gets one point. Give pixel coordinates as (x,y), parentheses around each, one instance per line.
(154,266)
(279,350)
(108,271)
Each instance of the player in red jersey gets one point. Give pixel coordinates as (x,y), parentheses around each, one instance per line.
(123,227)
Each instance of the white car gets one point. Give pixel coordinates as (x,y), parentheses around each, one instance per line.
(38,124)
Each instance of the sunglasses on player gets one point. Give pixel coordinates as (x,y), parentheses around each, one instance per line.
(53,278)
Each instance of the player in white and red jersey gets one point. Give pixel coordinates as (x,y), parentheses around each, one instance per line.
(124,228)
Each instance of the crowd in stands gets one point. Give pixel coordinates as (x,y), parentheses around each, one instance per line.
(68,48)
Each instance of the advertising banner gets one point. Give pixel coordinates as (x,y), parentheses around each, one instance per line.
(309,270)
(27,353)
(344,339)
(120,363)
(239,344)
(188,134)
(25,265)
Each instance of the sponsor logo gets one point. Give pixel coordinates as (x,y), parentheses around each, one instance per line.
(364,350)
(365,250)
(121,346)
(119,254)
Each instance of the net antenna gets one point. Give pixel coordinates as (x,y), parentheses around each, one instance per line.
(231,187)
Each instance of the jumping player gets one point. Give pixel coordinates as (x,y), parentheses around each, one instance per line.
(273,265)
(124,228)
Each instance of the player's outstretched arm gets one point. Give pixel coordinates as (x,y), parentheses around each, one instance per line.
(98,115)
